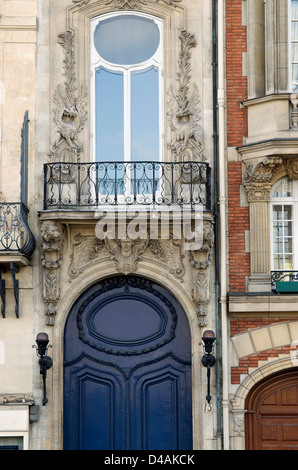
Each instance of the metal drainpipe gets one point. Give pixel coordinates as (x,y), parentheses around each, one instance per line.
(216,224)
(222,213)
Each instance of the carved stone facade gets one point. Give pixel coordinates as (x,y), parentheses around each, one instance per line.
(69,256)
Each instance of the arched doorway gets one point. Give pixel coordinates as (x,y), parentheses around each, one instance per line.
(271,420)
(127,369)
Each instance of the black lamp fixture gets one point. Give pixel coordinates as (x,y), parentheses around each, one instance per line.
(208,360)
(45,361)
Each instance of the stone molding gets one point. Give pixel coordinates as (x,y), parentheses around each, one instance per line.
(85,252)
(127,3)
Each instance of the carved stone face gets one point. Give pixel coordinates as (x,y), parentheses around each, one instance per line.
(50,233)
(126,246)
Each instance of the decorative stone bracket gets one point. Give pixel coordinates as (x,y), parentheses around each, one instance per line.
(201,261)
(52,255)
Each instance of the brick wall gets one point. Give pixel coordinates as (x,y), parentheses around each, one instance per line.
(242,324)
(239,264)
(236,82)
(236,130)
(253,361)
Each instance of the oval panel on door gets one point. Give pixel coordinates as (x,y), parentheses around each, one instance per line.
(127,369)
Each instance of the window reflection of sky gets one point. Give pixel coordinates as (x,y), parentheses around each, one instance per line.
(109,115)
(115,39)
(144,116)
(127,104)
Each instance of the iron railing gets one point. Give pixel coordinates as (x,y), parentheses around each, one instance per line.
(283,276)
(15,234)
(87,185)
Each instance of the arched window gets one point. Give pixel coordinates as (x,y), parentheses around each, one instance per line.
(126,87)
(284,217)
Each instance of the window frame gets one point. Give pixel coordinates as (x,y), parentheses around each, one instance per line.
(291,201)
(96,61)
(292,83)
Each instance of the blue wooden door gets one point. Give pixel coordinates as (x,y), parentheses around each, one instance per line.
(127,369)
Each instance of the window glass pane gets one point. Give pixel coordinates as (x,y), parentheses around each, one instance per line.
(288,262)
(294,31)
(294,9)
(283,189)
(287,212)
(126,39)
(277,212)
(145,116)
(288,245)
(294,73)
(288,229)
(109,116)
(294,52)
(277,229)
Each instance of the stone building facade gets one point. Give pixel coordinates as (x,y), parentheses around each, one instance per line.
(262,151)
(135,217)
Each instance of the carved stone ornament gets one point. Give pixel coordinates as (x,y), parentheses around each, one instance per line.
(184,114)
(126,253)
(291,167)
(128,3)
(70,114)
(201,273)
(238,422)
(52,244)
(294,111)
(258,178)
(89,250)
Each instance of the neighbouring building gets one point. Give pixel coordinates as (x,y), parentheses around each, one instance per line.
(148,206)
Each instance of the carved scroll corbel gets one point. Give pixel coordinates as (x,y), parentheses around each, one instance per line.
(52,243)
(257,178)
(201,261)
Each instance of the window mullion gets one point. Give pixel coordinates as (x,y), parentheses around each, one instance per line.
(127,116)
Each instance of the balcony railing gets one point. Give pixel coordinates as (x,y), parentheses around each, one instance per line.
(90,185)
(15,234)
(284,281)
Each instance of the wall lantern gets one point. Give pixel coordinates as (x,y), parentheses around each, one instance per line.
(208,360)
(45,362)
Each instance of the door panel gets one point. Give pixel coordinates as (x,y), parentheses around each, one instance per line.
(127,370)
(272,413)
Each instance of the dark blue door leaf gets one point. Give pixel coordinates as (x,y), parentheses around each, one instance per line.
(127,371)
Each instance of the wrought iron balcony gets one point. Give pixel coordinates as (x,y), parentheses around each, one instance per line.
(15,235)
(284,281)
(87,185)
